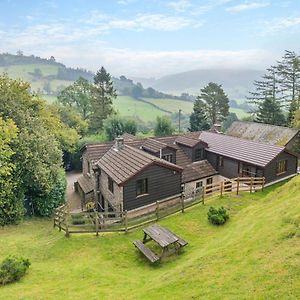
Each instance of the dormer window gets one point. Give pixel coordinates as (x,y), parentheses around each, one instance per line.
(199,154)
(168,157)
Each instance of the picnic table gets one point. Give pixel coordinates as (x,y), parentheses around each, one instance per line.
(166,239)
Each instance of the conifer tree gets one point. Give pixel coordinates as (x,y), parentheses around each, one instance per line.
(198,120)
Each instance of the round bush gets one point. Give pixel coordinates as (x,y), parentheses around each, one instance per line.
(217,216)
(12,269)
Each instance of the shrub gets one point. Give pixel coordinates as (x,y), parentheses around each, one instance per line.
(12,269)
(217,216)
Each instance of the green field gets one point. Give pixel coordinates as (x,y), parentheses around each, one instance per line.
(239,112)
(172,105)
(256,255)
(130,107)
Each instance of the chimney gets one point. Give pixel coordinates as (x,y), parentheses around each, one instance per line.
(216,128)
(119,143)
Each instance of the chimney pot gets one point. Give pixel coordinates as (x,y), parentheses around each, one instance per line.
(119,143)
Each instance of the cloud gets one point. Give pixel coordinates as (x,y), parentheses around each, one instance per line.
(140,22)
(180,6)
(281,24)
(247,6)
(134,63)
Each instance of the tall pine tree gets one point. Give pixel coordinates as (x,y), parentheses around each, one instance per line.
(102,102)
(267,98)
(288,70)
(216,102)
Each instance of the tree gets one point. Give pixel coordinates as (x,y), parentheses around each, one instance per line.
(79,96)
(37,152)
(269,112)
(11,206)
(296,124)
(103,95)
(232,117)
(267,87)
(198,120)
(163,126)
(288,70)
(216,102)
(115,126)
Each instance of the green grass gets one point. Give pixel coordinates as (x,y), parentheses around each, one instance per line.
(239,112)
(256,255)
(130,107)
(172,105)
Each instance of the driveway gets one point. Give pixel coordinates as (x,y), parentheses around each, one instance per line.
(72,198)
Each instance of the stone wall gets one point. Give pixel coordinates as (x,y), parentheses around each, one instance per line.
(114,199)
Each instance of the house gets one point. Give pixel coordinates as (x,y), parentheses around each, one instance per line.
(235,157)
(128,178)
(130,173)
(264,133)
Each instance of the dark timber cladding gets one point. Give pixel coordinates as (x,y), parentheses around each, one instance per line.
(162,183)
(123,163)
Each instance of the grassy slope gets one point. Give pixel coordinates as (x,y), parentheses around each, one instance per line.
(186,107)
(251,257)
(22,71)
(172,105)
(129,107)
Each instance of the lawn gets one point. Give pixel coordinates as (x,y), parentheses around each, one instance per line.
(130,107)
(172,105)
(256,255)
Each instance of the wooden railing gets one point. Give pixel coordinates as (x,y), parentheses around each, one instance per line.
(238,184)
(120,221)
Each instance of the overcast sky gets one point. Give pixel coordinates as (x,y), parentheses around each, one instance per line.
(152,38)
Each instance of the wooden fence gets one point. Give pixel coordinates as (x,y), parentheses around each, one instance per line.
(120,221)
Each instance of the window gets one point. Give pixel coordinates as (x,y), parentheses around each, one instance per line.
(168,157)
(198,154)
(281,167)
(142,187)
(110,184)
(198,184)
(221,161)
(88,167)
(209,181)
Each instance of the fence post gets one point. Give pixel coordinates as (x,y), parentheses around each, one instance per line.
(251,184)
(67,230)
(182,204)
(126,222)
(222,188)
(263,183)
(157,210)
(238,186)
(97,223)
(54,218)
(203,194)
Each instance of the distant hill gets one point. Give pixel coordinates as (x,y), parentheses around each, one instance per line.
(236,83)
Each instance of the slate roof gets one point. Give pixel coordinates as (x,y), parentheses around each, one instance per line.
(124,163)
(244,150)
(153,145)
(264,133)
(198,170)
(188,141)
(86,184)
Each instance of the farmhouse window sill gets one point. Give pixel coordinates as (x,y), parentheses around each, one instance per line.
(142,195)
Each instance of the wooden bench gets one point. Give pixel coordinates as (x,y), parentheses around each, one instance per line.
(146,251)
(182,242)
